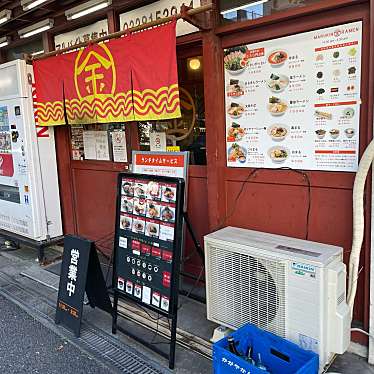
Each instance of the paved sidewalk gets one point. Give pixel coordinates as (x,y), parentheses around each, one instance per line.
(118,351)
(96,324)
(26,346)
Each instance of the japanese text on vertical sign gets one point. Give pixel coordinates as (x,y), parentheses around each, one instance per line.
(73,271)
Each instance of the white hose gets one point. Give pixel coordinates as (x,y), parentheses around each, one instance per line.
(358,222)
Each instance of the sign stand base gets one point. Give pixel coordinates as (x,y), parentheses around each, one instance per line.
(173,334)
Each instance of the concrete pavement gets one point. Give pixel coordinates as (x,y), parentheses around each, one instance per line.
(26,346)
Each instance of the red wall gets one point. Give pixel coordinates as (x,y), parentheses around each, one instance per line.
(94,192)
(276,201)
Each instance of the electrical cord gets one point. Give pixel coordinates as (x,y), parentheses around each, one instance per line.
(232,211)
(157,330)
(192,288)
(100,243)
(247,179)
(307,179)
(153,342)
(185,259)
(149,314)
(109,265)
(356,329)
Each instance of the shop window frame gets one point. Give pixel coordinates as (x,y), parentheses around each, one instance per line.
(292,13)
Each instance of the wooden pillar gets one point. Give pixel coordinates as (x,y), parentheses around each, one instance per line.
(65,177)
(113,21)
(215,127)
(2,56)
(48,42)
(64,167)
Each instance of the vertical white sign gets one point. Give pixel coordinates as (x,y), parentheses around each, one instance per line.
(159,9)
(157,141)
(119,146)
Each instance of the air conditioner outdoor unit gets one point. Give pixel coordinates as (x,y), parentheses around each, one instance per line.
(293,288)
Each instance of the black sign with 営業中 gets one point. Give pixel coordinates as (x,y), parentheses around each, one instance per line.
(80,273)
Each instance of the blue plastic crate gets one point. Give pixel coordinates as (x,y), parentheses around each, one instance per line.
(279,355)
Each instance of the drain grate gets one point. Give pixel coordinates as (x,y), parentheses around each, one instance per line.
(104,347)
(127,360)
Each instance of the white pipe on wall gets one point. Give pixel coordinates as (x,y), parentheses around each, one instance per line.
(358,222)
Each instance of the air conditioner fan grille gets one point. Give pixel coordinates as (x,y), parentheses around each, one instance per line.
(244,288)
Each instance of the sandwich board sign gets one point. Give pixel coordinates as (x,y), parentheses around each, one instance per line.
(80,273)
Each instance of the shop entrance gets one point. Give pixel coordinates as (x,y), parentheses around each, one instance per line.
(88,175)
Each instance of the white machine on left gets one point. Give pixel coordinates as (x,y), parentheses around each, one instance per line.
(29,190)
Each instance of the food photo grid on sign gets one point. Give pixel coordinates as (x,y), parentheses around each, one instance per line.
(146,241)
(295,101)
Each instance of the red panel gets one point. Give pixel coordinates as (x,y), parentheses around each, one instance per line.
(282,209)
(267,207)
(276,200)
(65,179)
(95,201)
(95,198)
(198,213)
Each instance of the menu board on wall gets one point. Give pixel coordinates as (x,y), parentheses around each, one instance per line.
(148,240)
(295,101)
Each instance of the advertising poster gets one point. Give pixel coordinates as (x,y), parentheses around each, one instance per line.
(295,101)
(173,164)
(96,145)
(147,227)
(119,146)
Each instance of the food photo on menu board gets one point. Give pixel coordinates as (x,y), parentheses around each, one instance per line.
(128,187)
(152,228)
(168,213)
(126,222)
(140,189)
(140,206)
(295,101)
(138,225)
(153,209)
(127,204)
(168,193)
(154,190)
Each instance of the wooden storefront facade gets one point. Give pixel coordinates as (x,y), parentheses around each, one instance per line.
(272,200)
